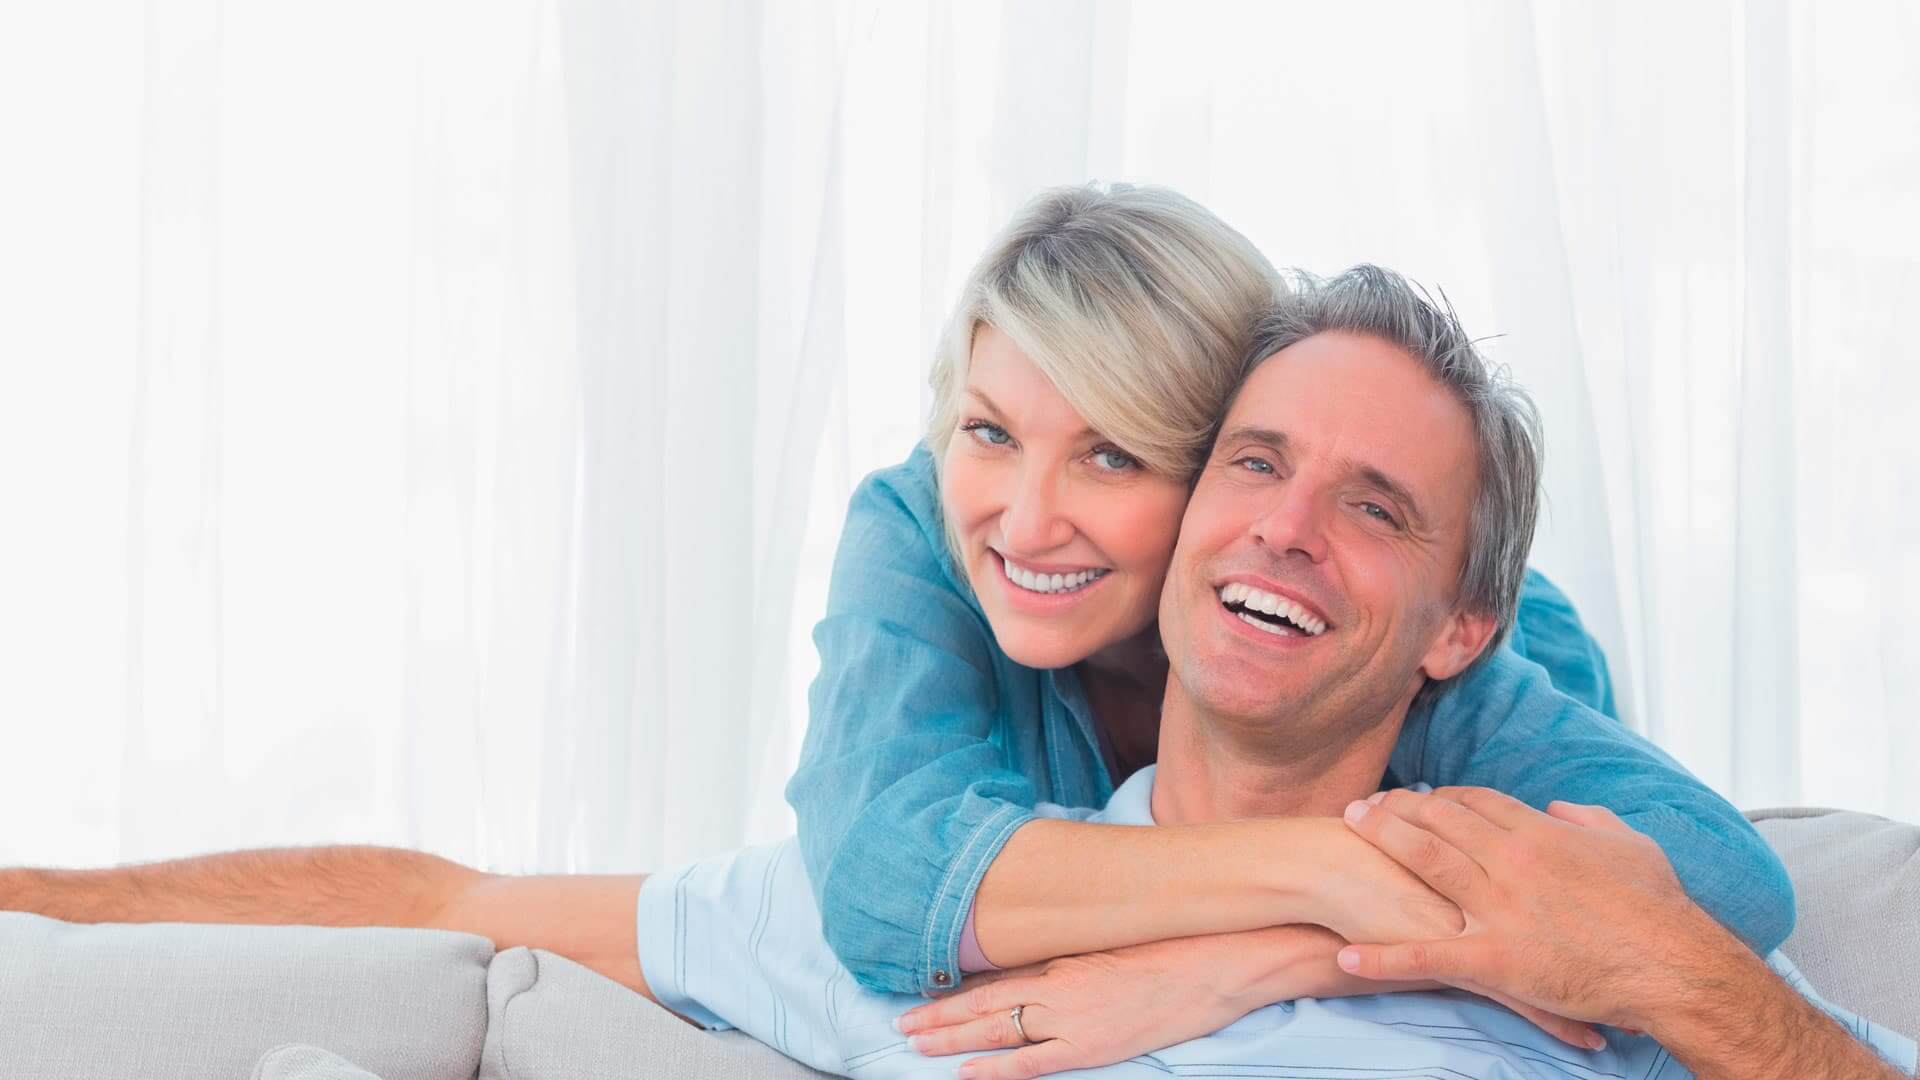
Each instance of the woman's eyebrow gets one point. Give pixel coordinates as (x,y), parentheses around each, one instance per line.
(983,399)
(981,396)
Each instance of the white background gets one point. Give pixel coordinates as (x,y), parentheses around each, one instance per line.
(429,423)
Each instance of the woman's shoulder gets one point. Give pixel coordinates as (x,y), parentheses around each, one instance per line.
(895,529)
(910,489)
(896,512)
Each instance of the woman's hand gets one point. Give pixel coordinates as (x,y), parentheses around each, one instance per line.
(1082,1012)
(1086,1011)
(1363,894)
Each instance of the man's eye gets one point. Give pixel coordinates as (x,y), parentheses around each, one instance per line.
(986,434)
(1256,465)
(1112,460)
(1375,510)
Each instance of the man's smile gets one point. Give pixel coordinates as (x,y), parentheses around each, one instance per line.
(1270,611)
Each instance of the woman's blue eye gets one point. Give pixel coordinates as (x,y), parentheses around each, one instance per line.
(1114,460)
(986,433)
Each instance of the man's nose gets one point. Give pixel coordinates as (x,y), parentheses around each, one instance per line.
(1296,522)
(1034,521)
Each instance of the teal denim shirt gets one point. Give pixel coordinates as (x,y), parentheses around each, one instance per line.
(927,747)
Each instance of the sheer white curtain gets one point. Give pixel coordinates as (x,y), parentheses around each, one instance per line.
(428,423)
(403,406)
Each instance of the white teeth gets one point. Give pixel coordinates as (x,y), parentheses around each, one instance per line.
(1048,583)
(1271,628)
(1259,600)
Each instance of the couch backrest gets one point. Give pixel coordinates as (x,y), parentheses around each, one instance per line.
(1856,880)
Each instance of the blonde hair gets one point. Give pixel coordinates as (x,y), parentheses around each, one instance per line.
(1135,302)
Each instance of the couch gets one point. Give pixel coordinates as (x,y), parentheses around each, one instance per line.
(176,1002)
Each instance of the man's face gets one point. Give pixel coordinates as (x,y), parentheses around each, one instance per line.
(1338,494)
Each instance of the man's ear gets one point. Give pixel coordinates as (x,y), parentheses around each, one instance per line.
(1461,641)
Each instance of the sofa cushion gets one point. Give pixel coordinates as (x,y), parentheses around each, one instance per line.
(1856,880)
(297,1061)
(162,1001)
(552,1019)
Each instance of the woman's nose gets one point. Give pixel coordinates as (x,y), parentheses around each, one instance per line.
(1033,522)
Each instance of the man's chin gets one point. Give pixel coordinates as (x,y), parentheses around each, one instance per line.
(1229,693)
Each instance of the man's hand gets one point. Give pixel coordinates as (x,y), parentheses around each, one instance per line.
(1574,912)
(1570,910)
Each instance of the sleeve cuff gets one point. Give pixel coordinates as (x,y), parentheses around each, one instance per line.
(942,962)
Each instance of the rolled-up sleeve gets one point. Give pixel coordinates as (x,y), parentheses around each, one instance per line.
(902,796)
(1504,726)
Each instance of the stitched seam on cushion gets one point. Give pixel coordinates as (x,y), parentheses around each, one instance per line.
(940,898)
(506,1013)
(260,1066)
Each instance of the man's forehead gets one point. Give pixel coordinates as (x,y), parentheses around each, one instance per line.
(1370,404)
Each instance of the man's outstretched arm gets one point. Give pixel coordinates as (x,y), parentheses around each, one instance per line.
(1574,912)
(586,918)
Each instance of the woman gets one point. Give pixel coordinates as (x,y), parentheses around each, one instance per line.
(990,644)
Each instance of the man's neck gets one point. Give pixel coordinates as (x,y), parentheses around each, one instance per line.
(1211,771)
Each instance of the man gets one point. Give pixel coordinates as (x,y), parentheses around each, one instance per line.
(1345,480)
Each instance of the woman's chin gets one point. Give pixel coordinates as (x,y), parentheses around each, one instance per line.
(1044,647)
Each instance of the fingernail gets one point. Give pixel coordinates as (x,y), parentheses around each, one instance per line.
(900,1023)
(964,1072)
(919,1043)
(1348,959)
(1356,810)
(1596,1041)
(1376,797)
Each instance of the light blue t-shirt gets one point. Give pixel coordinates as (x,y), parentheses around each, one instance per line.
(734,941)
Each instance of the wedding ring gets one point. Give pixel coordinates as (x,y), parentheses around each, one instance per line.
(1017,1026)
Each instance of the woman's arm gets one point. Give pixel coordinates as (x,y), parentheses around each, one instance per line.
(1505,726)
(1063,888)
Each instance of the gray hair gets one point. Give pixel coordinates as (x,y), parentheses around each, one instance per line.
(1379,303)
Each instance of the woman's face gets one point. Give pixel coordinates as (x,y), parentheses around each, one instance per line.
(1065,538)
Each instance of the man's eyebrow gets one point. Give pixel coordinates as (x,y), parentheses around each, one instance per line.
(1276,440)
(1394,489)
(1372,475)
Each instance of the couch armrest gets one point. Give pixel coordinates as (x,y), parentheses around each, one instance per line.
(166,1000)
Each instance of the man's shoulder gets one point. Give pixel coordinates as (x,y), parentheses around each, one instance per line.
(1130,804)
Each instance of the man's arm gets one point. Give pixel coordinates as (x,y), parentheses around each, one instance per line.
(586,918)
(1740,1021)
(1574,912)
